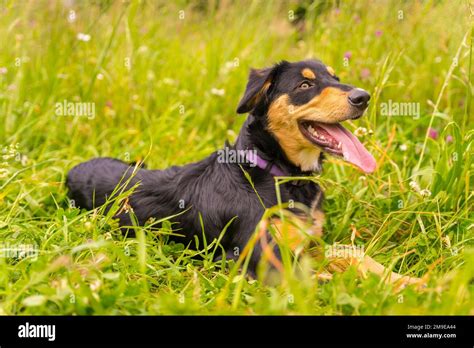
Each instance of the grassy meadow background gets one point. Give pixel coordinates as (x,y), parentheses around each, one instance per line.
(165,79)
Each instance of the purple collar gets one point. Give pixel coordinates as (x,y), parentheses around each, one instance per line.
(258,161)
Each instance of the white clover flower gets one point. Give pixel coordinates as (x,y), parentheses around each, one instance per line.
(3,70)
(425,193)
(403,147)
(100,76)
(142,49)
(230,65)
(83,37)
(168,81)
(3,173)
(150,75)
(216,91)
(414,185)
(360,131)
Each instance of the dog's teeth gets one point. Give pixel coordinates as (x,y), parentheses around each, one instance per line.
(311,129)
(339,145)
(323,137)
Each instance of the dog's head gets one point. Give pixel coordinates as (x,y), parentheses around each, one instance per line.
(302,105)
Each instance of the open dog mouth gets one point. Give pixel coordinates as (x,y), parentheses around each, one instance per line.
(338,141)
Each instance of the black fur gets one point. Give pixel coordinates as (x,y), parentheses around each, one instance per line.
(216,191)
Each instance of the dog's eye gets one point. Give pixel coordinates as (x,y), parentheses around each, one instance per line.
(305,85)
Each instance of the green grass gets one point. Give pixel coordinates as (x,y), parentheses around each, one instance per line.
(162,108)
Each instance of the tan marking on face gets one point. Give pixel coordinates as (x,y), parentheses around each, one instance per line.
(295,146)
(331,71)
(330,106)
(308,73)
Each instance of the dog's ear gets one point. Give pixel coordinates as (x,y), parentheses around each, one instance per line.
(258,84)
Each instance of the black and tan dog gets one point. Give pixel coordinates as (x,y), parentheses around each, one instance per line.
(295,114)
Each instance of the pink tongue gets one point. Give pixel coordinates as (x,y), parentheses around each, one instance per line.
(352,149)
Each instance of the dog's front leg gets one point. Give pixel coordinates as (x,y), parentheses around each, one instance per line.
(340,257)
(277,233)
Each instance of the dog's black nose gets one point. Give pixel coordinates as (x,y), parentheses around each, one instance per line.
(359,98)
